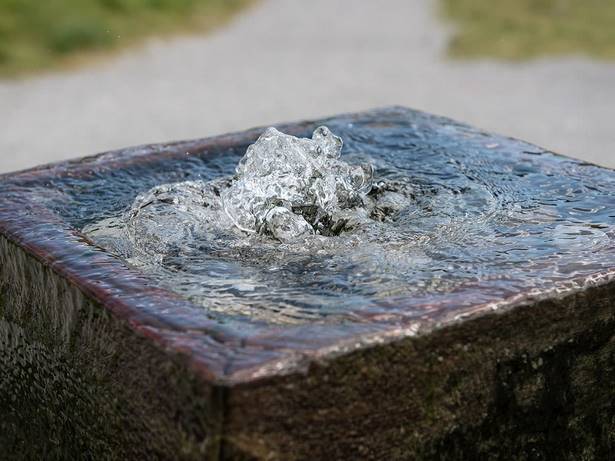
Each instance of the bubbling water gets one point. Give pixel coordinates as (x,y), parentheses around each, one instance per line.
(301,234)
(290,187)
(285,188)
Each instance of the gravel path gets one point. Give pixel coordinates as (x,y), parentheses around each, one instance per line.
(291,59)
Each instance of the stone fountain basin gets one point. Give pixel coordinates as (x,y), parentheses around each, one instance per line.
(95,359)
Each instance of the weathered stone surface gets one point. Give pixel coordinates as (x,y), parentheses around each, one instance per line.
(534,383)
(95,362)
(78,383)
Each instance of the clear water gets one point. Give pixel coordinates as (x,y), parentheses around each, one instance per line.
(412,210)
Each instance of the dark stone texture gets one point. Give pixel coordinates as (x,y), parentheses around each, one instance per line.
(77,383)
(95,363)
(531,384)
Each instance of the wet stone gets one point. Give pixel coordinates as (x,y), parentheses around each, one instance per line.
(380,285)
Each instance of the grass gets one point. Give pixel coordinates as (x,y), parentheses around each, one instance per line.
(38,34)
(519,29)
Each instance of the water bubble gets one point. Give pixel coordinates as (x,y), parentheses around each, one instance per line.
(284,187)
(295,231)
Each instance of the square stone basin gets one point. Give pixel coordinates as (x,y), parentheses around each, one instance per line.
(98,358)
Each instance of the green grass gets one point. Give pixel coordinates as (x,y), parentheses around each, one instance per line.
(37,34)
(519,29)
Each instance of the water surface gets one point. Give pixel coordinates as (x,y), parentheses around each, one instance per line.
(481,218)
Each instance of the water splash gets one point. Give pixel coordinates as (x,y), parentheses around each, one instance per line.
(446,215)
(291,187)
(284,187)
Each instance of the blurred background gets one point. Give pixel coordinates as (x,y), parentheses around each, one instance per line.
(79,77)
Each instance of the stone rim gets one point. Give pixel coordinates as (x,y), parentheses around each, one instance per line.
(220,355)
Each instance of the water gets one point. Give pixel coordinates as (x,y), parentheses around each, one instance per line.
(285,187)
(299,234)
(432,219)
